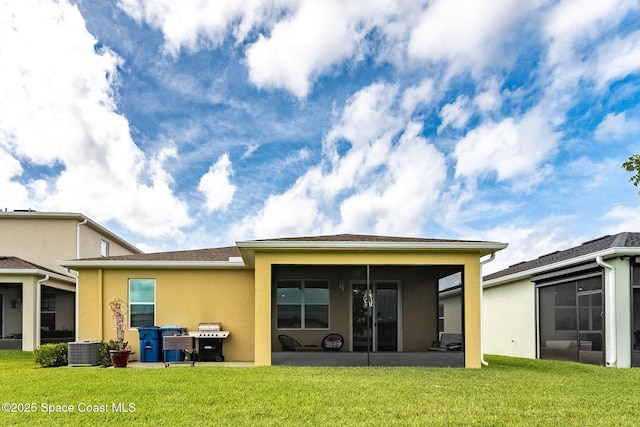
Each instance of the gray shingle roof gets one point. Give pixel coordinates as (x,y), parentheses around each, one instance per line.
(15,263)
(224,253)
(361,238)
(620,240)
(211,254)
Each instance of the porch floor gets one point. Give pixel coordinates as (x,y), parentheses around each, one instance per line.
(436,359)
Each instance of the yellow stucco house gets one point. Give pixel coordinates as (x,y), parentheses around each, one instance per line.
(380,294)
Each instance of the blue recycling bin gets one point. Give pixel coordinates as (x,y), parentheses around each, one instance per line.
(172,355)
(150,344)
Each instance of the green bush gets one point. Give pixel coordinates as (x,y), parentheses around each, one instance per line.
(103,349)
(52,355)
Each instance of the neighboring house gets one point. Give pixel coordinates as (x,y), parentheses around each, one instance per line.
(37,295)
(379,293)
(580,304)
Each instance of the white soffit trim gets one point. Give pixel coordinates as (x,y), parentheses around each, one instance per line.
(606,253)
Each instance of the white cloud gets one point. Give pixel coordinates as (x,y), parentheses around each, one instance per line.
(456,114)
(297,40)
(292,213)
(617,59)
(570,20)
(406,193)
(424,93)
(624,218)
(215,184)
(318,35)
(572,25)
(197,24)
(510,147)
(464,31)
(58,112)
(528,242)
(615,127)
(386,182)
(490,98)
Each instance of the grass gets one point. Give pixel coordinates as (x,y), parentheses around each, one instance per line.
(509,391)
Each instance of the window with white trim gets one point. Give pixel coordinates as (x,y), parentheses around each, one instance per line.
(104,248)
(302,304)
(142,302)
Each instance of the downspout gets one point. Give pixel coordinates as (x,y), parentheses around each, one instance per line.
(78,257)
(38,305)
(610,313)
(491,258)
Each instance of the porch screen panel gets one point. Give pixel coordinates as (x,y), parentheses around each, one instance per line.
(558,322)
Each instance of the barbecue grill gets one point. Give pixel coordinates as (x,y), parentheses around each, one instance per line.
(209,337)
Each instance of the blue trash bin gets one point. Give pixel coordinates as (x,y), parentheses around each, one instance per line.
(172,355)
(150,344)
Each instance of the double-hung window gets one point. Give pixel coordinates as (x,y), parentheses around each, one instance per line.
(302,304)
(142,302)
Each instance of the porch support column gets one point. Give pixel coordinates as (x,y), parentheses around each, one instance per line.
(30,307)
(262,311)
(472,331)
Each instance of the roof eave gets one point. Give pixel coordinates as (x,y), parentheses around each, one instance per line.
(605,253)
(37,272)
(248,248)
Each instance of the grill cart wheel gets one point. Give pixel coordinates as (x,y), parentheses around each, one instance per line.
(220,358)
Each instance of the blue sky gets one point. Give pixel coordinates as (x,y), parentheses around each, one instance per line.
(193,124)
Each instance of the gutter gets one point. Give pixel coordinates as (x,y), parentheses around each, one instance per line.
(491,258)
(610,312)
(77,301)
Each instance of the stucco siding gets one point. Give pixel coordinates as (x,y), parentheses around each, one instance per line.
(40,241)
(183,298)
(509,319)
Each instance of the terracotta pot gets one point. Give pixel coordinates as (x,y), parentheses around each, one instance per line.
(119,358)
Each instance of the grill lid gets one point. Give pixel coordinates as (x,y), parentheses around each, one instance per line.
(209,326)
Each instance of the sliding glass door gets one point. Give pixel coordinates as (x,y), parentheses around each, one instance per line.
(375,314)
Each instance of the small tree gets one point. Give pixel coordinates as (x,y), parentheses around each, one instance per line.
(118,312)
(633,165)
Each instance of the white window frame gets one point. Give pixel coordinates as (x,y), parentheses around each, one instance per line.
(104,248)
(155,285)
(303,305)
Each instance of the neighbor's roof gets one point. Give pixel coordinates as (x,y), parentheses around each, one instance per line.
(618,244)
(15,265)
(235,256)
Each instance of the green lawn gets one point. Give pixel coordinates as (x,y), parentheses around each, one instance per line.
(508,392)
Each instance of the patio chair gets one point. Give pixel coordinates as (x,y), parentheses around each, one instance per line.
(288,343)
(448,342)
(332,342)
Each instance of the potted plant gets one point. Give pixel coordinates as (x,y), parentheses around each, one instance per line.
(120,351)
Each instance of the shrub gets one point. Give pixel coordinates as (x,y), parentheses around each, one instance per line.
(103,349)
(52,355)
